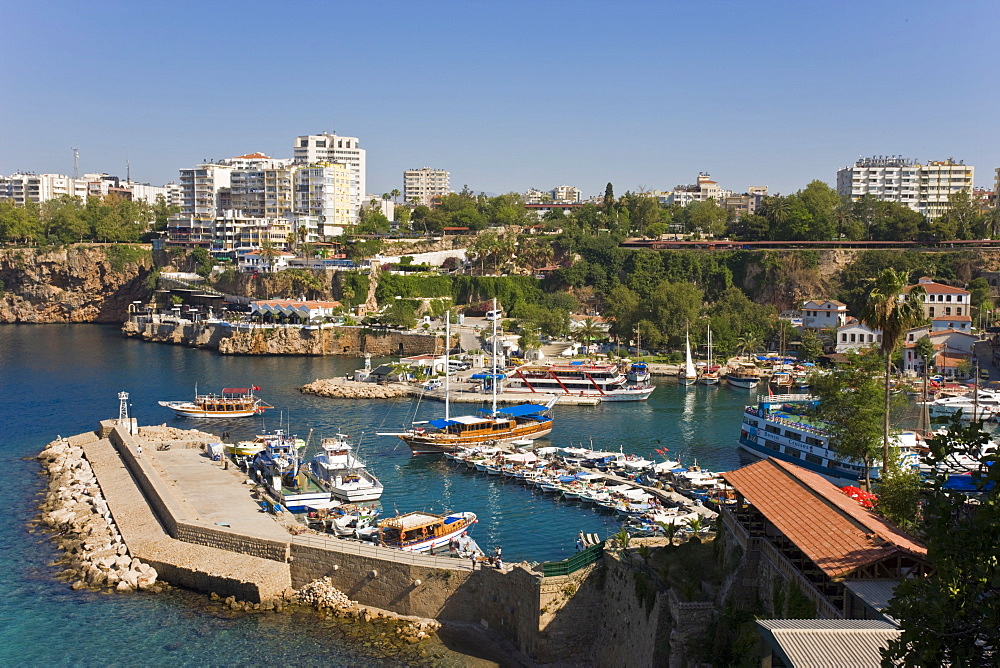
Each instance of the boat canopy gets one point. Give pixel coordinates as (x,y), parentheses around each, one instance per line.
(521,457)
(518,411)
(488,376)
(236,390)
(322,505)
(461,419)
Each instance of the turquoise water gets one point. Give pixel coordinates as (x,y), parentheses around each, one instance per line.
(61,379)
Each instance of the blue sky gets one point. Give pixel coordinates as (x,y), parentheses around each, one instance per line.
(505,96)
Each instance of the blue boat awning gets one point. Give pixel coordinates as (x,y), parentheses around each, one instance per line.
(487,376)
(519,411)
(441,424)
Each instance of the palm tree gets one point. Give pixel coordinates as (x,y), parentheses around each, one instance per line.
(587,331)
(268,253)
(696,524)
(670,530)
(747,344)
(395,194)
(891,309)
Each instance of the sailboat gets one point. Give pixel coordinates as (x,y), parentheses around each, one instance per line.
(489,426)
(688,376)
(711,376)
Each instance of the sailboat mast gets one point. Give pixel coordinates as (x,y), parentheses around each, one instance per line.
(447,364)
(494,381)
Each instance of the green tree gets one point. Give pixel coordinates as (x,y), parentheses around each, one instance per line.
(892,310)
(849,401)
(949,616)
(898,492)
(810,347)
(587,331)
(63,219)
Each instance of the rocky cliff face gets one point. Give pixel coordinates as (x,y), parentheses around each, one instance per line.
(349,341)
(78,284)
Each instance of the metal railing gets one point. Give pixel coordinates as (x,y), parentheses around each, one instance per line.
(384,553)
(574,563)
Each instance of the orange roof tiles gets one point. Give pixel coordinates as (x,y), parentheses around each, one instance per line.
(831,529)
(933,288)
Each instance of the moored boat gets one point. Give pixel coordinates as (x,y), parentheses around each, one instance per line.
(339,470)
(745,376)
(580,378)
(421,532)
(232,402)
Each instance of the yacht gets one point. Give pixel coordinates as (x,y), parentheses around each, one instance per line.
(339,470)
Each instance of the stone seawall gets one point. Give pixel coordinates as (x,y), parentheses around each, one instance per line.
(280,340)
(164,505)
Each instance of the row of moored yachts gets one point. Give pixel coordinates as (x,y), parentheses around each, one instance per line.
(598,478)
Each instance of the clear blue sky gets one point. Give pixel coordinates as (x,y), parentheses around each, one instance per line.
(506,95)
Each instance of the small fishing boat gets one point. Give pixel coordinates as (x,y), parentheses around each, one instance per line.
(638,373)
(233,402)
(745,376)
(421,532)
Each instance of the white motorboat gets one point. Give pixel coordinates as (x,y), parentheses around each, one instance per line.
(339,471)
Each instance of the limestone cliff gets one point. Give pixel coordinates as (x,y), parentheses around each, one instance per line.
(85,283)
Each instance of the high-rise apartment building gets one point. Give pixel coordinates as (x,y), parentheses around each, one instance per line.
(566,194)
(330,148)
(204,189)
(922,187)
(422,185)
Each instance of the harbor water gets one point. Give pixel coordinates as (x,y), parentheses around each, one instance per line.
(61,379)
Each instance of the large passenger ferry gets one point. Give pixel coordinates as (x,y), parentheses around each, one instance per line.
(601,380)
(780,426)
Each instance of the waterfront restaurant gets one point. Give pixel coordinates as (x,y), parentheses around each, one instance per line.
(301,312)
(807,531)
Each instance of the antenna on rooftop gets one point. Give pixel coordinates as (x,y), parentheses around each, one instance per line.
(128,171)
(76,163)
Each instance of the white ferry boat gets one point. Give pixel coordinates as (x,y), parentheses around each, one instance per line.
(779,426)
(339,470)
(601,380)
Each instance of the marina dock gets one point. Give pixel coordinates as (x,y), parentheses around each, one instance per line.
(200,524)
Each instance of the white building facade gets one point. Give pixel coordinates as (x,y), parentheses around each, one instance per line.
(824,314)
(331,148)
(922,187)
(420,186)
(943,300)
(855,335)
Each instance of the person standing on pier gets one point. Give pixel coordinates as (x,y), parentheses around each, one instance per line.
(138,450)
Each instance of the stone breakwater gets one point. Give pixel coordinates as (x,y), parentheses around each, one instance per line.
(322,595)
(74,506)
(341,388)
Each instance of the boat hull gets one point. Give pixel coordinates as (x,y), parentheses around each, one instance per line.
(742,383)
(835,476)
(428,445)
(190,410)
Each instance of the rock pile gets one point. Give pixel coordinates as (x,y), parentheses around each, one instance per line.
(324,596)
(74,506)
(340,388)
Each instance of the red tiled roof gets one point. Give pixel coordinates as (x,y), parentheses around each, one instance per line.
(252,156)
(830,528)
(933,288)
(939,332)
(951,359)
(296,303)
(959,318)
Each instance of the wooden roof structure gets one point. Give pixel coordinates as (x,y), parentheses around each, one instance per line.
(835,532)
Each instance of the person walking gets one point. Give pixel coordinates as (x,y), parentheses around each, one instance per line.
(473,562)
(138,450)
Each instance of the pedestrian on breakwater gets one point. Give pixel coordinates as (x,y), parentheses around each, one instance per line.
(473,562)
(138,450)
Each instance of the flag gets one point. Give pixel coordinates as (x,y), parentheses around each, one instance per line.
(255,388)
(770,392)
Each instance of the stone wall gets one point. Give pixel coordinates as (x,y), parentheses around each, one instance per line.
(280,340)
(195,566)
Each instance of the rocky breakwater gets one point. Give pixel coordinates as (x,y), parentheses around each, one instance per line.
(341,388)
(94,553)
(322,595)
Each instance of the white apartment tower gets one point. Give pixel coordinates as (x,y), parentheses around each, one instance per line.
(922,187)
(424,184)
(564,194)
(330,148)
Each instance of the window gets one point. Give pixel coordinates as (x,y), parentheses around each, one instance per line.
(870,337)
(813,459)
(932,311)
(947,310)
(853,338)
(958,311)
(843,337)
(948,298)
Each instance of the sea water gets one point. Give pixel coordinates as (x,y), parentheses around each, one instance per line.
(62,379)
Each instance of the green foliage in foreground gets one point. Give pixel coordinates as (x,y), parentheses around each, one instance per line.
(950,617)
